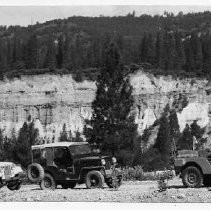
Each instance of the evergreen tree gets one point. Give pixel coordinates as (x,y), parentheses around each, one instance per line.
(164,139)
(189,65)
(169,51)
(186,140)
(50,59)
(174,131)
(179,52)
(31,54)
(3,57)
(159,51)
(60,52)
(26,138)
(77,137)
(2,152)
(196,46)
(144,49)
(63,134)
(207,54)
(197,132)
(112,125)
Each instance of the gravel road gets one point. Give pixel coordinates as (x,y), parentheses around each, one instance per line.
(137,191)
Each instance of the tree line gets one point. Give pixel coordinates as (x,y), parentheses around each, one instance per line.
(168,42)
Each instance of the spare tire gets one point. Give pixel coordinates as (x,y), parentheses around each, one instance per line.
(35,172)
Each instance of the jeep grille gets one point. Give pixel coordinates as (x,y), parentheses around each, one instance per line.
(108,165)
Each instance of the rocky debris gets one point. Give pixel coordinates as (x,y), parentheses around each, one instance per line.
(145,191)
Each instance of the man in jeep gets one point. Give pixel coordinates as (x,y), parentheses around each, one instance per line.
(71,163)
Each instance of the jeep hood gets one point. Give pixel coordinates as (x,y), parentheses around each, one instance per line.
(92,157)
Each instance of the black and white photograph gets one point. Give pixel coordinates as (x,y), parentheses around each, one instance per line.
(105,103)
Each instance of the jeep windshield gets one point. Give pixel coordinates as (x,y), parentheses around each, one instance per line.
(80,149)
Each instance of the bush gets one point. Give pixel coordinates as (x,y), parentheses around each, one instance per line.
(137,174)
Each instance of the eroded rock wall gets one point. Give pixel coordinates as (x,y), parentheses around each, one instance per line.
(53,100)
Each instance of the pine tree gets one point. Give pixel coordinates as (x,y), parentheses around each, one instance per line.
(31,54)
(26,138)
(180,53)
(3,57)
(63,134)
(2,151)
(60,52)
(50,59)
(164,138)
(189,65)
(196,46)
(77,137)
(186,140)
(207,54)
(174,131)
(112,125)
(159,51)
(197,132)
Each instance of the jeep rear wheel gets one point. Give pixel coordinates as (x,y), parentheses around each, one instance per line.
(14,185)
(94,179)
(48,182)
(192,177)
(35,172)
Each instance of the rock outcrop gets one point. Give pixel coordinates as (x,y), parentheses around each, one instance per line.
(54,100)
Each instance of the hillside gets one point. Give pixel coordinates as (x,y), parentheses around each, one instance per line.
(167,42)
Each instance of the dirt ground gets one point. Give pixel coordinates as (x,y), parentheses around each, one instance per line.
(137,191)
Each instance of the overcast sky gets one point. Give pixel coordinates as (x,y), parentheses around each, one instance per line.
(25,15)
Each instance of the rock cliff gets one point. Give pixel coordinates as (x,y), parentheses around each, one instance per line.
(54,100)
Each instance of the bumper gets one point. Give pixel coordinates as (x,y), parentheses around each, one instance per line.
(177,170)
(18,177)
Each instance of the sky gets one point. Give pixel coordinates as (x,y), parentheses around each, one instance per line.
(23,15)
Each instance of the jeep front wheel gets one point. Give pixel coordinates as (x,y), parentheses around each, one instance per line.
(94,179)
(192,177)
(48,182)
(114,182)
(14,185)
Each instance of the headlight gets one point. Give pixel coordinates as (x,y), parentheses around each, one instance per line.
(17,169)
(113,160)
(103,162)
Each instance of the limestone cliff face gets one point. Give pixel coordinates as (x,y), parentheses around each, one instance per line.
(53,100)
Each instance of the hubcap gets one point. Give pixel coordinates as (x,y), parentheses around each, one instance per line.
(192,178)
(94,181)
(47,182)
(34,173)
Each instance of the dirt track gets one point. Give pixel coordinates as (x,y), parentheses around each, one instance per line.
(145,191)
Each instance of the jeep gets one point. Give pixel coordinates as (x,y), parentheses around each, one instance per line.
(194,167)
(71,163)
(11,175)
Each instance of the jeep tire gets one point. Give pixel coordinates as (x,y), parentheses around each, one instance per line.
(114,183)
(14,185)
(192,177)
(35,172)
(48,182)
(94,179)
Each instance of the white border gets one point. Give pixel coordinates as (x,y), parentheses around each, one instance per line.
(100,2)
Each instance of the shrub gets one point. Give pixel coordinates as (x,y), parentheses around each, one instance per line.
(137,174)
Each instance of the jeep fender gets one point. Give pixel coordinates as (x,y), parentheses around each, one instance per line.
(200,162)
